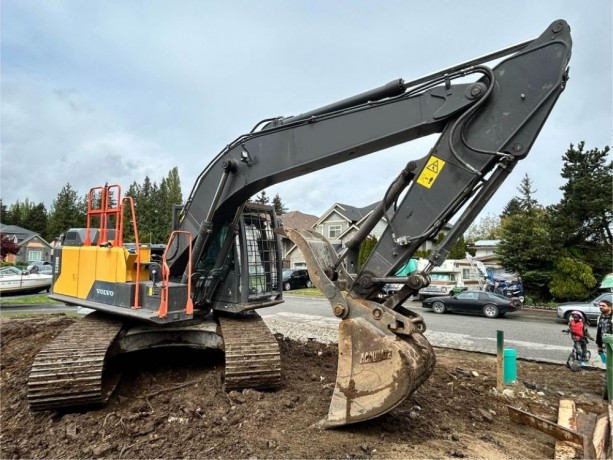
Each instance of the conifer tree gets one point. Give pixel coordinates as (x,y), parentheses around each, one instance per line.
(583,220)
(280,208)
(67,211)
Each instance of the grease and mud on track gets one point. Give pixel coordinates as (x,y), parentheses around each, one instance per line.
(171,404)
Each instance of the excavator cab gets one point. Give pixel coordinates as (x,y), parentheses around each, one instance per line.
(241,270)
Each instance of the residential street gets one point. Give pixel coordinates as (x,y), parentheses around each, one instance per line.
(533,334)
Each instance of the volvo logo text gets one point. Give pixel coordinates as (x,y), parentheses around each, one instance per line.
(105,292)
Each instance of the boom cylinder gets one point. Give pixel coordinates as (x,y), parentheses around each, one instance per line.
(391,89)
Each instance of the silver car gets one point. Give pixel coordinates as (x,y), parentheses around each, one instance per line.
(589,310)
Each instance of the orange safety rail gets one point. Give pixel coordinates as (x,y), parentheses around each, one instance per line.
(130,200)
(189,306)
(103,212)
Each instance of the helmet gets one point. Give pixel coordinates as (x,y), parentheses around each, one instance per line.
(576,314)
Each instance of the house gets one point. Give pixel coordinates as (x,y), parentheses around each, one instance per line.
(298,220)
(339,224)
(335,224)
(485,252)
(32,246)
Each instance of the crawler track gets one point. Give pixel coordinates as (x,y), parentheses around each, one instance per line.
(253,359)
(68,372)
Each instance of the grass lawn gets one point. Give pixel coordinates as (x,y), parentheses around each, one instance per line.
(26,299)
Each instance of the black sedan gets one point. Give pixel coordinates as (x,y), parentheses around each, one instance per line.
(296,279)
(480,302)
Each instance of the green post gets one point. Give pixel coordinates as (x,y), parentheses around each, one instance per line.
(500,361)
(608,344)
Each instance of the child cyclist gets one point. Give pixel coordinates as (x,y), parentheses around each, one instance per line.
(580,334)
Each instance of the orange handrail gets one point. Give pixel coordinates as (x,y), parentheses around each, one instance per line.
(189,305)
(104,212)
(136,305)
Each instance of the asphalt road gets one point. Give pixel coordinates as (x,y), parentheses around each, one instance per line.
(535,335)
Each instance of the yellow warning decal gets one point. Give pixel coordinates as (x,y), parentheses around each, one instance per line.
(431,171)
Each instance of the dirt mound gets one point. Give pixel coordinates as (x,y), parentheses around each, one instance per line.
(172,405)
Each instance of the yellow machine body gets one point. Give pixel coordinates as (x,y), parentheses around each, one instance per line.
(79,268)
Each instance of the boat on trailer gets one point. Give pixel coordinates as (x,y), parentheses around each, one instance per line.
(15,281)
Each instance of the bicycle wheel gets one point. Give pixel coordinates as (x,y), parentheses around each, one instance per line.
(573,363)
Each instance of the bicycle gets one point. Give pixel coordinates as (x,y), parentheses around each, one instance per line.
(574,363)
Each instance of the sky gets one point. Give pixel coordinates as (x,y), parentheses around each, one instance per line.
(107,91)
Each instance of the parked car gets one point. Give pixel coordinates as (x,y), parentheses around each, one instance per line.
(42,269)
(34,265)
(296,279)
(589,310)
(481,302)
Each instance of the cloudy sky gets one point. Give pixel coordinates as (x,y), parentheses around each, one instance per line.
(112,91)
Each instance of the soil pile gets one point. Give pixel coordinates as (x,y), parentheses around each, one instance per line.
(172,405)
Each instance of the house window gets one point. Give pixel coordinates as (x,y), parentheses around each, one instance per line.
(334,231)
(35,256)
(466,273)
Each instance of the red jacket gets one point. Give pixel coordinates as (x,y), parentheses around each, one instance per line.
(576,329)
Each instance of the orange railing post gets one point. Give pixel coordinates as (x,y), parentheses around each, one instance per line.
(103,212)
(189,305)
(130,200)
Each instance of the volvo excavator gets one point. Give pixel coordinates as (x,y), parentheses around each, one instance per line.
(222,261)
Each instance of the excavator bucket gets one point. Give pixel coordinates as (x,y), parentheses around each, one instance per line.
(383,356)
(376,371)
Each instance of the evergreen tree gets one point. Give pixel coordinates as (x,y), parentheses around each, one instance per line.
(147,212)
(459,250)
(67,211)
(153,206)
(526,248)
(36,220)
(572,279)
(280,208)
(3,213)
(170,195)
(128,228)
(512,207)
(262,198)
(526,201)
(16,213)
(582,221)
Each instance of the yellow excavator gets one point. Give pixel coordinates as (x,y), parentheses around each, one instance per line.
(222,262)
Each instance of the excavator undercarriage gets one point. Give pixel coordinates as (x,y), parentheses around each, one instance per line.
(223,260)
